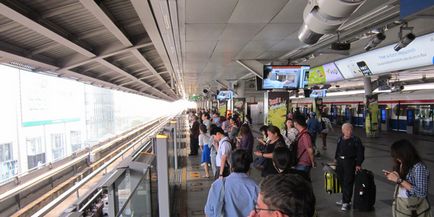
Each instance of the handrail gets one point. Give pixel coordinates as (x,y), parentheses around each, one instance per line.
(79,184)
(33,182)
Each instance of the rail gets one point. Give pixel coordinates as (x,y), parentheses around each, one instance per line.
(79,184)
(39,179)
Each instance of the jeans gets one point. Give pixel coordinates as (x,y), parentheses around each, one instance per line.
(303,168)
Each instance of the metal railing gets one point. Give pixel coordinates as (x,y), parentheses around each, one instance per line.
(46,209)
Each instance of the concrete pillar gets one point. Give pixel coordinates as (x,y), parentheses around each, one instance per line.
(174,125)
(241,88)
(163,175)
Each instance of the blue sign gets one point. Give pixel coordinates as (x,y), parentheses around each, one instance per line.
(411,7)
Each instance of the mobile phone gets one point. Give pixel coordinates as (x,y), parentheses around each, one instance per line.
(364,68)
(385,171)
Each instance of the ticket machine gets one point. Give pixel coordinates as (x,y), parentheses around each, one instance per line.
(384,119)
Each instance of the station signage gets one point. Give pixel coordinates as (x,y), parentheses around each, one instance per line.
(417,54)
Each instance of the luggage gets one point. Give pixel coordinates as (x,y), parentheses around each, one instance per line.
(331,181)
(364,191)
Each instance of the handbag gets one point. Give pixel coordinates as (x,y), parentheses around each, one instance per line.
(410,207)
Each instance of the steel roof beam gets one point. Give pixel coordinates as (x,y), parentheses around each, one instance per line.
(6,56)
(102,56)
(148,65)
(28,23)
(104,19)
(44,47)
(61,10)
(123,72)
(145,14)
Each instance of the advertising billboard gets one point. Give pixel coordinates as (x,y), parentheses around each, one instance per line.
(417,54)
(324,74)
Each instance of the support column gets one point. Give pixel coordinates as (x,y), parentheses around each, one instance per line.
(163,175)
(174,125)
(371,109)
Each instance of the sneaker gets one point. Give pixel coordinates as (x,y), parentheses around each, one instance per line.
(339,203)
(346,207)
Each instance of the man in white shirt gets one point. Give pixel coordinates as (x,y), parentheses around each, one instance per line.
(223,152)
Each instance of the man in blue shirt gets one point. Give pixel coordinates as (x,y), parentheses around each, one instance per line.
(238,189)
(314,127)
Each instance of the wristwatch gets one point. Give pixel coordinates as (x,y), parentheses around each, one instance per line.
(399,181)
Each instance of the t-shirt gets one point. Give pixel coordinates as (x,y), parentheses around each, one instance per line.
(304,143)
(225,148)
(204,139)
(207,123)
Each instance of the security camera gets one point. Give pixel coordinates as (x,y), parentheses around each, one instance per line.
(324,17)
(377,39)
(406,40)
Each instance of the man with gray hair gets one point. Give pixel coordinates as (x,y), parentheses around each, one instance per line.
(349,156)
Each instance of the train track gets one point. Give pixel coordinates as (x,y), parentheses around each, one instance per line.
(30,196)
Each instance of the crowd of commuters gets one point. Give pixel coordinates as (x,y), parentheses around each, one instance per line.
(287,159)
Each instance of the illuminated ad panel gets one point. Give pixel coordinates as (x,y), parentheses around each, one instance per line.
(324,74)
(49,100)
(418,53)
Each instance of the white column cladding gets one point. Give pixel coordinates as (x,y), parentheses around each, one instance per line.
(163,175)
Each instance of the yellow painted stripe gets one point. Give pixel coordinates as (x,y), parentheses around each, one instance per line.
(161,136)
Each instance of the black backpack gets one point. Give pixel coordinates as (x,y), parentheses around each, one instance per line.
(293,149)
(323,125)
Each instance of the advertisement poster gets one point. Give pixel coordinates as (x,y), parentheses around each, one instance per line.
(324,74)
(42,106)
(277,108)
(371,118)
(239,107)
(383,60)
(222,107)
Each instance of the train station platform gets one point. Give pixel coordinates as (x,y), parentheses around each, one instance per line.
(377,158)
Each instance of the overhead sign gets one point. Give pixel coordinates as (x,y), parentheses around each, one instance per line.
(418,53)
(324,74)
(412,7)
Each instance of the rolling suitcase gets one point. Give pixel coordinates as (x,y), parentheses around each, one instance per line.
(364,191)
(331,181)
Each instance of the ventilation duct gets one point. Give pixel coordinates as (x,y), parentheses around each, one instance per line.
(325,17)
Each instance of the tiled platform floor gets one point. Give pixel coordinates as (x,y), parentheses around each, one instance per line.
(377,158)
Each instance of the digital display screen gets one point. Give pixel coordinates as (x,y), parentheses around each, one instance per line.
(324,74)
(225,95)
(318,93)
(285,77)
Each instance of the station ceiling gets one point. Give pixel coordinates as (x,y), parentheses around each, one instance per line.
(169,49)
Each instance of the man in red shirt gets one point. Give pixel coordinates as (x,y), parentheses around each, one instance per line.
(304,146)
